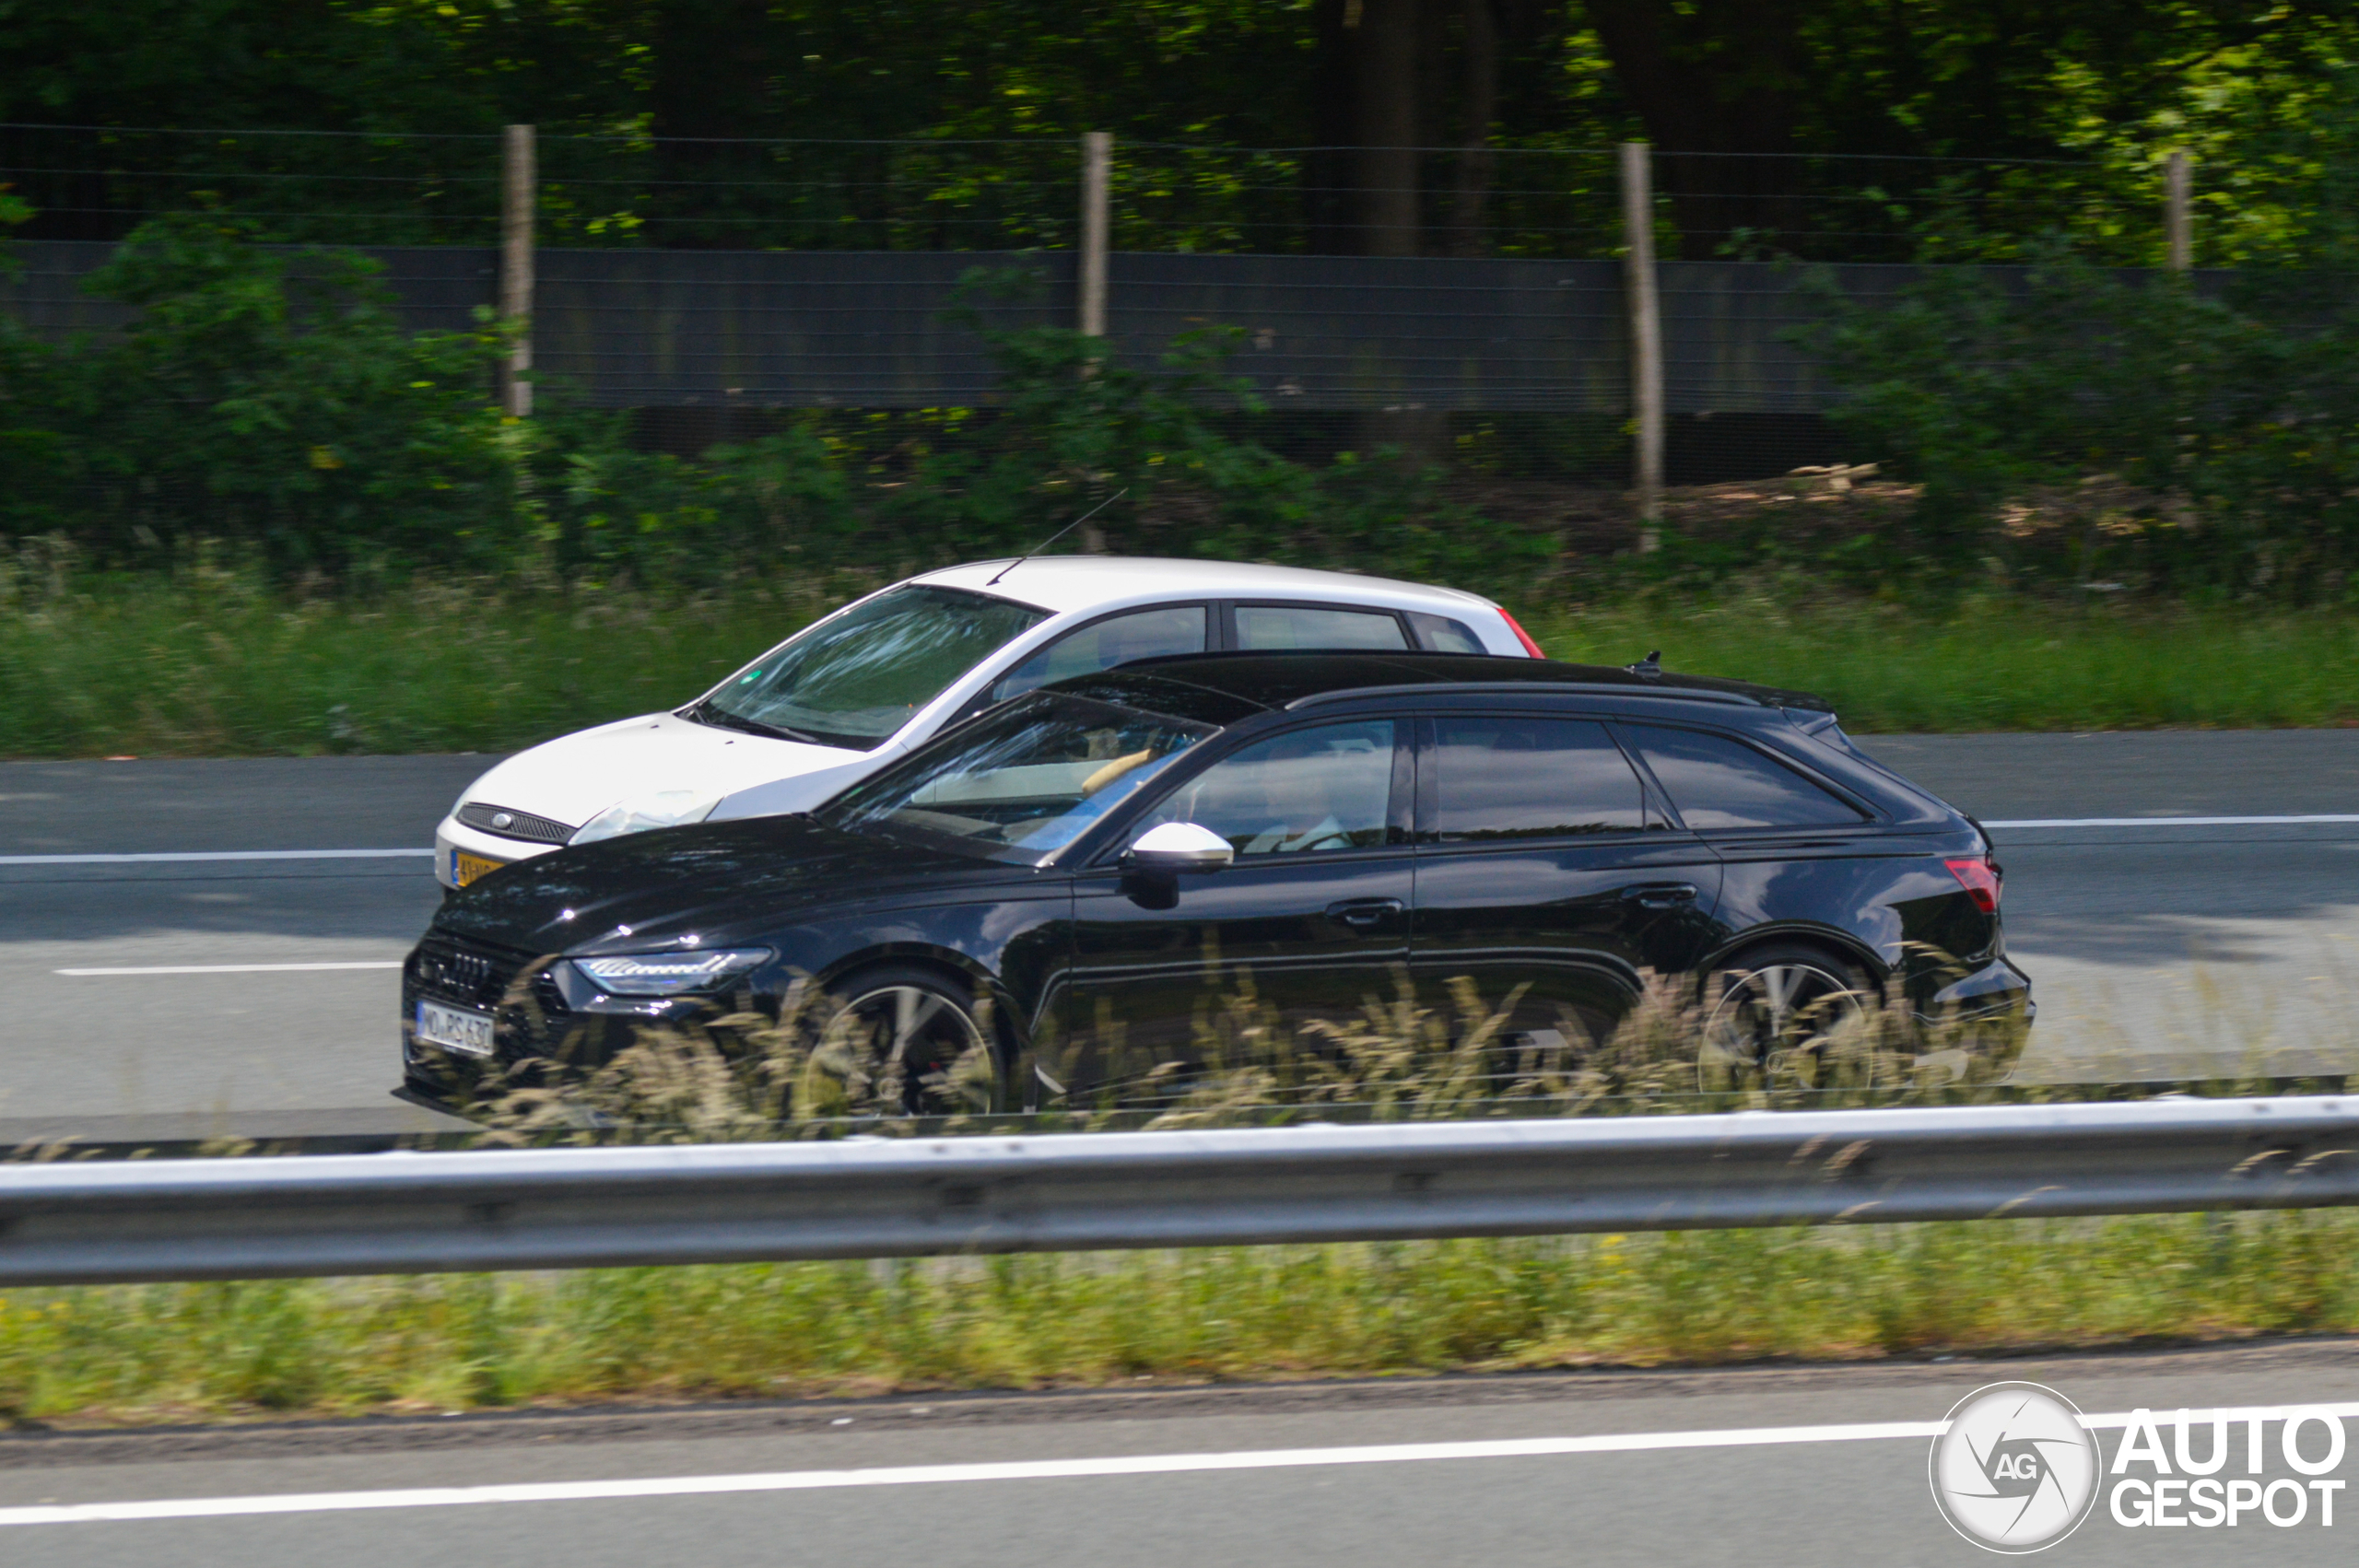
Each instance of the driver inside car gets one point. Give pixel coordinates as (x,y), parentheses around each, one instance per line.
(1297,812)
(1325,789)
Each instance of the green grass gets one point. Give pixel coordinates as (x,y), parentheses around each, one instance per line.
(165,1353)
(210,665)
(1994,663)
(145,667)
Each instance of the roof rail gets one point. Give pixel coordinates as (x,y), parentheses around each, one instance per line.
(1529,688)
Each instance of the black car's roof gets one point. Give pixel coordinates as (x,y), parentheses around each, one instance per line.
(1251,681)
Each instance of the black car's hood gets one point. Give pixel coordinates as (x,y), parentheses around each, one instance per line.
(715,879)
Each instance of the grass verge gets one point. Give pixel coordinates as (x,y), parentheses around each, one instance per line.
(209,664)
(128,1354)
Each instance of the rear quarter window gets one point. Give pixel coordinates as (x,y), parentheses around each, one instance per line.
(1719,782)
(1440,634)
(1504,776)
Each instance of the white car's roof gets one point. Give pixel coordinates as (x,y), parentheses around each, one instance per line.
(1065,583)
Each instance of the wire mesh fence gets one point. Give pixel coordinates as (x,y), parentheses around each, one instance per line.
(1466,301)
(361,188)
(1871,208)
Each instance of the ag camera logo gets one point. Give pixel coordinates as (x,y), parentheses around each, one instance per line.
(2016,1469)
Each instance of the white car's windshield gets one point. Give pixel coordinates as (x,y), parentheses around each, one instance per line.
(1031,779)
(853,679)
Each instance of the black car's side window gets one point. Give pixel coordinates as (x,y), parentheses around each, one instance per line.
(1327,786)
(1719,782)
(1504,776)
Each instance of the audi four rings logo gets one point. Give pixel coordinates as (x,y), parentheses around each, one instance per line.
(2016,1469)
(462,971)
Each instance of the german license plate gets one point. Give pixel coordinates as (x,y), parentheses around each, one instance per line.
(465,868)
(455,1028)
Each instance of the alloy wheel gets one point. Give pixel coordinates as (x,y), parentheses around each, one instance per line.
(917,1036)
(1775,1026)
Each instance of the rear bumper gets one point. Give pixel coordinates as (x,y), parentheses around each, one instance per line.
(1996,989)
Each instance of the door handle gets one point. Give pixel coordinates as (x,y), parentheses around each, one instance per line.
(1364,912)
(1660,894)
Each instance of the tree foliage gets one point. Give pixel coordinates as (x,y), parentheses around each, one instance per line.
(2117,80)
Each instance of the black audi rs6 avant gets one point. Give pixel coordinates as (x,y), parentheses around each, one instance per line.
(1069,884)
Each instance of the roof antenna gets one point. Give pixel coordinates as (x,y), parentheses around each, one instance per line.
(1060,533)
(1650,668)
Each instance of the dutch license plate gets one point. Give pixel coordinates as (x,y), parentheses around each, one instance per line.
(455,1028)
(465,868)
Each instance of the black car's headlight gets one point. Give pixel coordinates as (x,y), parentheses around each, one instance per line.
(669,974)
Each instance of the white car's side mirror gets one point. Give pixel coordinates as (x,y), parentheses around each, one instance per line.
(1179,847)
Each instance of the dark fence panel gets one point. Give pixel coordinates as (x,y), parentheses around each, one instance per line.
(440,287)
(658,328)
(1375,333)
(778,329)
(1725,333)
(868,329)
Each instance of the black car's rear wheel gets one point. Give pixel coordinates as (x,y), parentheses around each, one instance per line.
(1784,1017)
(917,1037)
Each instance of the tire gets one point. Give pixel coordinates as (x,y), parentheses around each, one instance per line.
(1774,1017)
(919,1036)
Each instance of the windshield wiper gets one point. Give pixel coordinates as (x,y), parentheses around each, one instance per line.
(705,712)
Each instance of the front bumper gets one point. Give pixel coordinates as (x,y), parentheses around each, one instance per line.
(549,1026)
(454,838)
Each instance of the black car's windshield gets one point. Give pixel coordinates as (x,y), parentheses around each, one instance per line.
(856,678)
(1029,779)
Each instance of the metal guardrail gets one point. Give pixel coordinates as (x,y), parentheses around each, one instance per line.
(573,1208)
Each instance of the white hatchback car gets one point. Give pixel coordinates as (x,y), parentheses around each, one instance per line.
(851,692)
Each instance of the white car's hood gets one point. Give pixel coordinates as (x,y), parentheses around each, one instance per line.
(573,778)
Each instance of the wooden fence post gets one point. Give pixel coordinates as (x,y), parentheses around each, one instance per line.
(1646,340)
(517,179)
(2177,221)
(1097,164)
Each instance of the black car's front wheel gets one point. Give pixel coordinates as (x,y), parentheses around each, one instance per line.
(915,1039)
(1785,1016)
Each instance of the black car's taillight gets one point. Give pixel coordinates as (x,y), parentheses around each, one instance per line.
(1981,879)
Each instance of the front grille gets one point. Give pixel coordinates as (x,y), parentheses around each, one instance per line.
(510,822)
(471,973)
(531,1019)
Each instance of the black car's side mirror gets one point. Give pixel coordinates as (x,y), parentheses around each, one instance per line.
(1173,847)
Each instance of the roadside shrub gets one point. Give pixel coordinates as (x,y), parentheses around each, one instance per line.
(269,398)
(269,403)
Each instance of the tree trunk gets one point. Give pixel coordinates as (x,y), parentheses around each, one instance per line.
(1327,170)
(1721,78)
(1385,85)
(1480,46)
(712,79)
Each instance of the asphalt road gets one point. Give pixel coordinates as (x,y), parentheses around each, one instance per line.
(1749,1468)
(2158,950)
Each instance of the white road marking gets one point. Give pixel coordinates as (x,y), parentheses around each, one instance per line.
(214,855)
(2169,821)
(1021,1469)
(233,968)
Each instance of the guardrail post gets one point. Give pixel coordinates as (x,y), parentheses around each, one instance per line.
(517,179)
(1097,165)
(1646,341)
